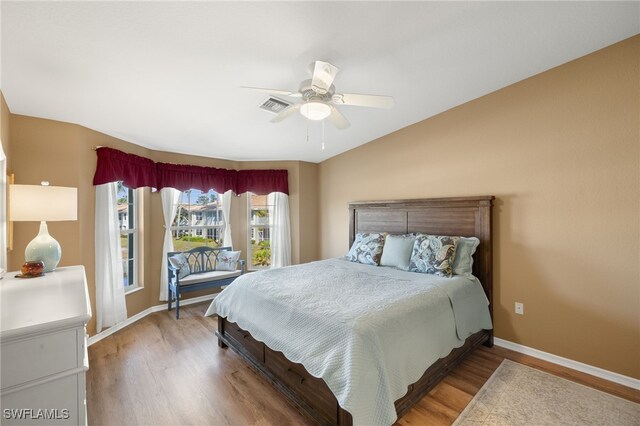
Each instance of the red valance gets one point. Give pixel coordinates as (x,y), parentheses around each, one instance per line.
(263,182)
(134,171)
(183,177)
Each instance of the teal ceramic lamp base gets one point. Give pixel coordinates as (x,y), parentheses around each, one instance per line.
(44,248)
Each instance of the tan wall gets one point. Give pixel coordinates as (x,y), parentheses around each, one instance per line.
(560,151)
(309,243)
(62,154)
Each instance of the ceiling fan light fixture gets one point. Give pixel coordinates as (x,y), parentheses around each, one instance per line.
(315,110)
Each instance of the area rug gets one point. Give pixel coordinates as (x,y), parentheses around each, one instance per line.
(520,395)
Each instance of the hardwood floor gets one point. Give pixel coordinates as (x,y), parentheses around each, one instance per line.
(165,371)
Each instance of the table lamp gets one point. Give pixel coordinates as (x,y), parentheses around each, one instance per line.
(42,203)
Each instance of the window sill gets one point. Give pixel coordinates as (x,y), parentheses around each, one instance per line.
(133,290)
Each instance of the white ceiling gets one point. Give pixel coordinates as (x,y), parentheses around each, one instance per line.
(166,75)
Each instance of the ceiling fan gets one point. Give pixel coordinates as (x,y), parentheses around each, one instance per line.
(318,98)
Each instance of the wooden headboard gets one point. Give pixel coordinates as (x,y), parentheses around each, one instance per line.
(463,216)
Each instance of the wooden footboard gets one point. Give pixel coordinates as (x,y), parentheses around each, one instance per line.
(310,395)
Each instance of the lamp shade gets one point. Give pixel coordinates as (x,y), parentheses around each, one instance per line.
(315,110)
(38,203)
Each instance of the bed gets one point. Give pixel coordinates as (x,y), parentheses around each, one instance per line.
(352,355)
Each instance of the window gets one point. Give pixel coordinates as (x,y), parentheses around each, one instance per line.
(259,244)
(129,235)
(199,220)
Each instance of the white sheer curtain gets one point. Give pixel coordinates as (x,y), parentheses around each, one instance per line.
(169,198)
(226,212)
(3,210)
(280,229)
(110,302)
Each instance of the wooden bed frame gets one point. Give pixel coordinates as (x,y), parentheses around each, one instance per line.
(465,216)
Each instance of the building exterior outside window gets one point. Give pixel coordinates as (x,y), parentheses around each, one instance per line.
(199,220)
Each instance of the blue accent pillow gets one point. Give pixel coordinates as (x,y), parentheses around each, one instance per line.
(397,251)
(463,263)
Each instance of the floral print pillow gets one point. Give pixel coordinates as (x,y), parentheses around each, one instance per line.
(179,261)
(433,254)
(227,260)
(367,248)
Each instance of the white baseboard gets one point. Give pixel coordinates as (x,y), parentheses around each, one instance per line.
(569,363)
(109,331)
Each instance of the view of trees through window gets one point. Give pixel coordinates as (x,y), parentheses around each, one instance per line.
(259,232)
(199,220)
(127,224)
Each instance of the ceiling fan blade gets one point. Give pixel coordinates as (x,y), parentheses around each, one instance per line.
(287,112)
(337,119)
(274,91)
(375,101)
(323,75)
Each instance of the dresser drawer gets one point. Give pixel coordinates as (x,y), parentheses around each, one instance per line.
(254,347)
(312,390)
(38,357)
(59,397)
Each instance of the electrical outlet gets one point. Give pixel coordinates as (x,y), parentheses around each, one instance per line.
(519,308)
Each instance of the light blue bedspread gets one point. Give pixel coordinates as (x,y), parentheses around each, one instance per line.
(367,331)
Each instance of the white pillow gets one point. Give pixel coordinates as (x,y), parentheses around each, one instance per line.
(463,262)
(227,260)
(397,251)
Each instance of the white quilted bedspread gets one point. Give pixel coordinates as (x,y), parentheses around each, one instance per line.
(367,331)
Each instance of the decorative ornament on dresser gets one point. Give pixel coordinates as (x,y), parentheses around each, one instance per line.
(42,203)
(31,269)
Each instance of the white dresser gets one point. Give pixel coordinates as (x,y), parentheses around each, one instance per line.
(43,348)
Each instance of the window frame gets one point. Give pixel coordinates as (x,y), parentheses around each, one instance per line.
(135,246)
(251,228)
